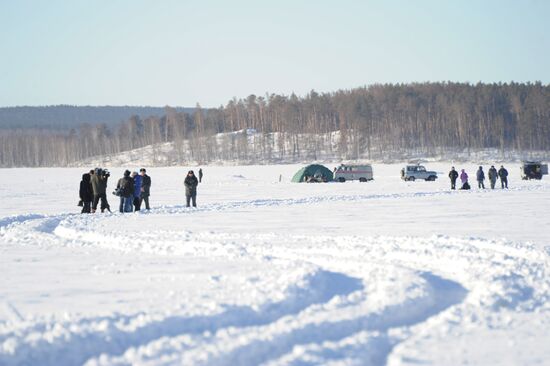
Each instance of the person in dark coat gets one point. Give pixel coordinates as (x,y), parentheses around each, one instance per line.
(145,187)
(480,175)
(99,186)
(125,188)
(200,175)
(453,175)
(493,175)
(86,193)
(503,174)
(137,191)
(191,182)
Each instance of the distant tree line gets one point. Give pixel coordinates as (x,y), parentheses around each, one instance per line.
(363,123)
(63,117)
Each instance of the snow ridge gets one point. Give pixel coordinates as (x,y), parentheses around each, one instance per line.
(355,299)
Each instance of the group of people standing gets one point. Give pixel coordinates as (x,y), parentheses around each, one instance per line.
(133,189)
(93,189)
(493,174)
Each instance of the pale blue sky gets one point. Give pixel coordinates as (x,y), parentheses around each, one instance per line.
(131,52)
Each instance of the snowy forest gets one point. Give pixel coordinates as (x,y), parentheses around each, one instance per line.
(362,123)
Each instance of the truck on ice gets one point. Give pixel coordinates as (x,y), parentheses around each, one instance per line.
(362,173)
(414,172)
(533,170)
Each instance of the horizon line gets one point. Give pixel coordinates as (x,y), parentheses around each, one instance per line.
(447,82)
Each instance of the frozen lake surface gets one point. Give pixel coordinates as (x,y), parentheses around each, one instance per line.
(276,273)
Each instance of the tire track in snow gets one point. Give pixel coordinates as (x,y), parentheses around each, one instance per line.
(498,275)
(257,345)
(335,330)
(55,343)
(95,343)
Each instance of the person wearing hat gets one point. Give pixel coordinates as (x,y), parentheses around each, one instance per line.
(99,179)
(125,188)
(145,187)
(453,175)
(480,175)
(503,174)
(86,193)
(191,182)
(137,191)
(493,175)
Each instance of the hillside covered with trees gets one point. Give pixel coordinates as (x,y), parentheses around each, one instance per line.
(370,122)
(63,117)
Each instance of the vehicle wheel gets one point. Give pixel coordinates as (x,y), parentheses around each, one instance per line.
(431,178)
(411,179)
(362,180)
(341,179)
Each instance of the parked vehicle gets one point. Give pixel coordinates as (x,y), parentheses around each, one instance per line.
(533,170)
(414,172)
(362,173)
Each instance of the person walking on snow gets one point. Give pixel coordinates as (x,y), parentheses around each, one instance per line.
(125,188)
(503,174)
(200,175)
(145,187)
(480,175)
(493,175)
(453,175)
(191,184)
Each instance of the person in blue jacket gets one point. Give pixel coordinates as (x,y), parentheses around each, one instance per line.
(137,191)
(480,175)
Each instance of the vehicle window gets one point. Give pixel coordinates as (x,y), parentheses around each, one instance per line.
(421,169)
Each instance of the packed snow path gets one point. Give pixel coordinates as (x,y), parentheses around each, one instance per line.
(159,288)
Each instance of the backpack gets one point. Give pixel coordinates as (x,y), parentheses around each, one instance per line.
(125,187)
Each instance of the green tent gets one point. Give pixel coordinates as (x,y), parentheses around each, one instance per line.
(319,173)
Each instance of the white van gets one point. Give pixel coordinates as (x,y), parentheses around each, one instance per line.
(362,173)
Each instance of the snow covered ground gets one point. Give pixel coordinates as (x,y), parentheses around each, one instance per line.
(275,273)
